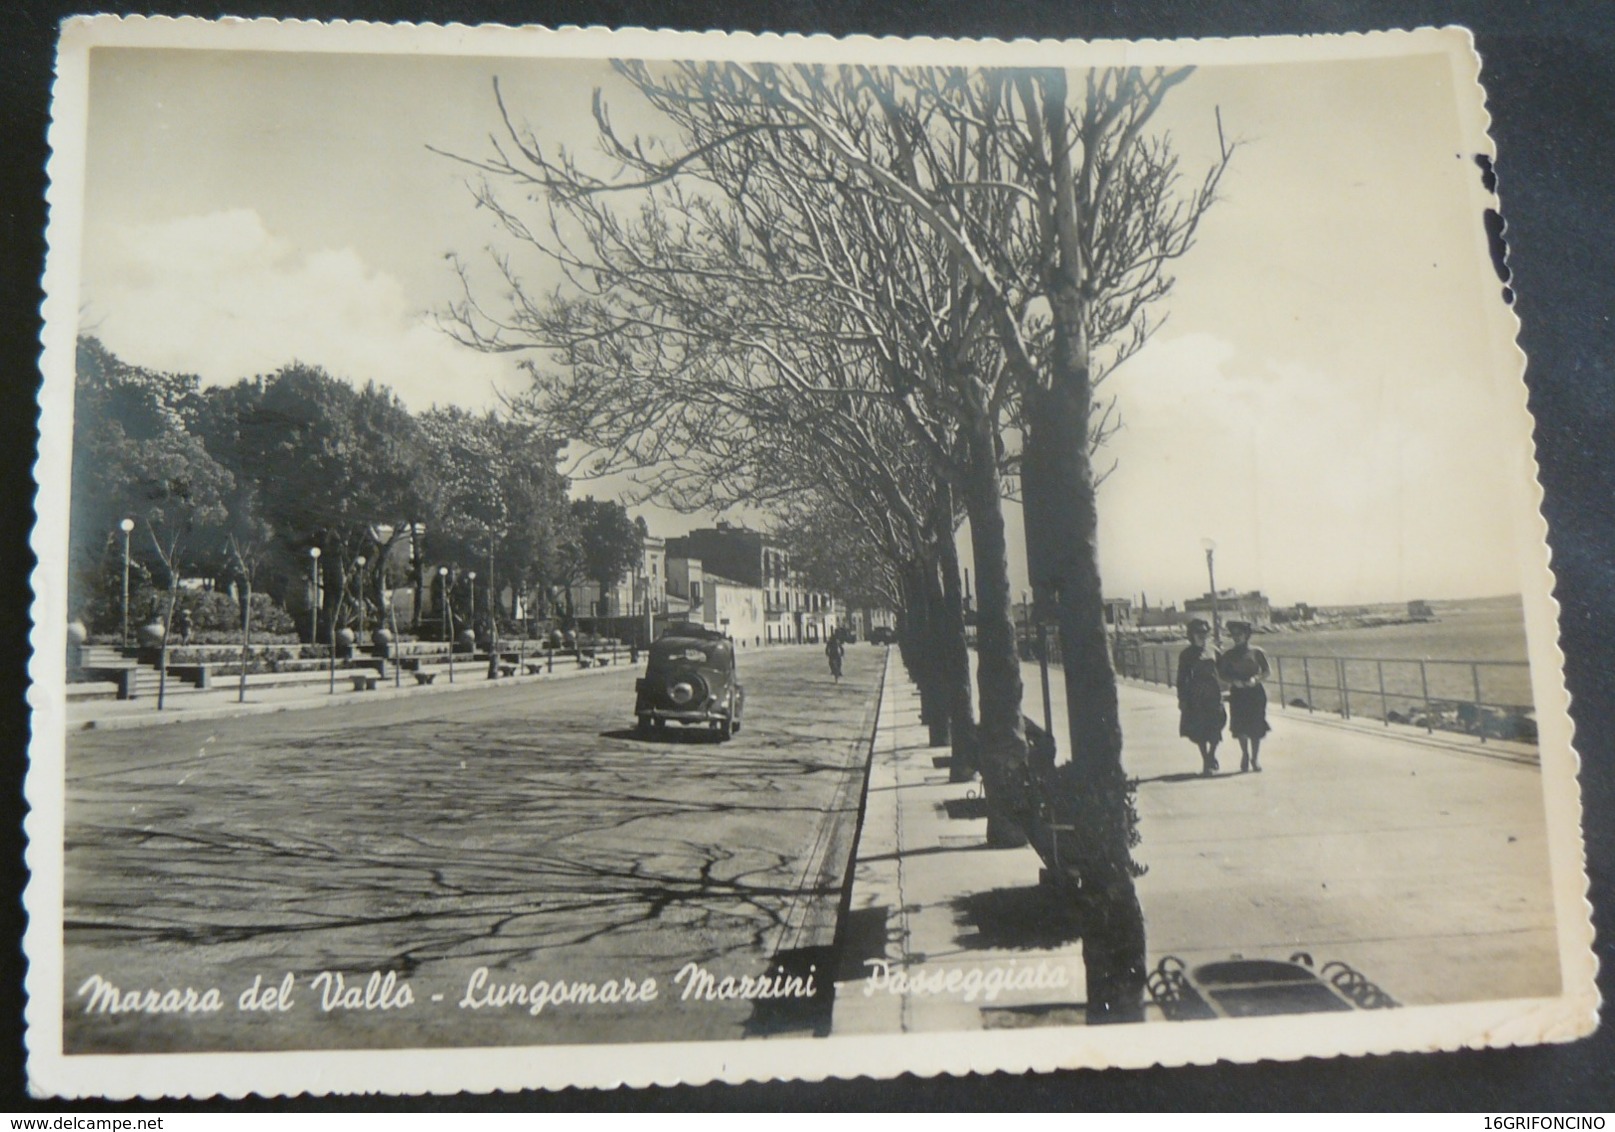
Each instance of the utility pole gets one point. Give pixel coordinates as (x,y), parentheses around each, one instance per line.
(448,619)
(127,526)
(1211,579)
(314,611)
(360,563)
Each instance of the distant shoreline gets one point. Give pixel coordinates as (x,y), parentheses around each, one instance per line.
(1376,615)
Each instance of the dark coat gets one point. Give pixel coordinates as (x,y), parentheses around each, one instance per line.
(1200,712)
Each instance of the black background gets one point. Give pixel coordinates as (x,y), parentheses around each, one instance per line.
(1550,79)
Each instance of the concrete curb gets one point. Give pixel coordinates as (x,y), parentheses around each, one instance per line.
(806,922)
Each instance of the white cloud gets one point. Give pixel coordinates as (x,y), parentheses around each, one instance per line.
(221,296)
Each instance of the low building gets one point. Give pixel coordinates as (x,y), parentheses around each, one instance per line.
(793,612)
(735,608)
(1231,605)
(686,580)
(863,622)
(1160,616)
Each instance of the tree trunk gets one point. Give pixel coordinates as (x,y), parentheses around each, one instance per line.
(903,624)
(954,653)
(1062,556)
(939,718)
(1062,550)
(911,631)
(918,656)
(246,640)
(1001,733)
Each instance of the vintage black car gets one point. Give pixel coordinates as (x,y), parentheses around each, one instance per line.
(690,679)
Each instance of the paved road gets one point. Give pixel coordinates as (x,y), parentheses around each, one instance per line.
(525,830)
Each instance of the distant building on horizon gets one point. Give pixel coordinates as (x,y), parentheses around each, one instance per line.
(1158,616)
(1231,605)
(1290,614)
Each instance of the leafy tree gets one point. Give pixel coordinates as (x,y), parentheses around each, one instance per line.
(124,418)
(328,465)
(610,545)
(497,497)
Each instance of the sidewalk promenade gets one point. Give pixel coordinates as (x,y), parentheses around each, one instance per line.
(222,701)
(1419,860)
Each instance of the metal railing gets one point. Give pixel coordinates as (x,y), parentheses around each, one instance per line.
(1487,698)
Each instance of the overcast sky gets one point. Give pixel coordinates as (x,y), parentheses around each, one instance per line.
(1325,401)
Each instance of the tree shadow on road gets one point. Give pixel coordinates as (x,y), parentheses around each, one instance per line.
(1033,918)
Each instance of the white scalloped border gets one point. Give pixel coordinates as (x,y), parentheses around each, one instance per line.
(235,1075)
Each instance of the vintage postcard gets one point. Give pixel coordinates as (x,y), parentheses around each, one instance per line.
(589,558)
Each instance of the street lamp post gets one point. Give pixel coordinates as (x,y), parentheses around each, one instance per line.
(471,589)
(127,526)
(360,561)
(650,616)
(314,609)
(1211,580)
(448,621)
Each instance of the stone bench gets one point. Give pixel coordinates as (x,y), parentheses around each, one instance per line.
(424,677)
(364,681)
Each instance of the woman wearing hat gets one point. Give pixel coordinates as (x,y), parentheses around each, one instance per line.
(1244,668)
(1200,713)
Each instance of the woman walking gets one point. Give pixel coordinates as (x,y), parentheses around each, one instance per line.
(1244,668)
(835,650)
(1200,713)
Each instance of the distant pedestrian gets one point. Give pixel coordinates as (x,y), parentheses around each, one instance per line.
(182,626)
(835,650)
(1244,668)
(1200,712)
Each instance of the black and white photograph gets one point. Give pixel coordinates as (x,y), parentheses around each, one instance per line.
(579,558)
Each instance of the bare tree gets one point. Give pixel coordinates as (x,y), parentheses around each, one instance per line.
(1102,206)
(771,292)
(1058,217)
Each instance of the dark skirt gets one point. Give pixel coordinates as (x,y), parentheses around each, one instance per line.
(1201,716)
(1247,709)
